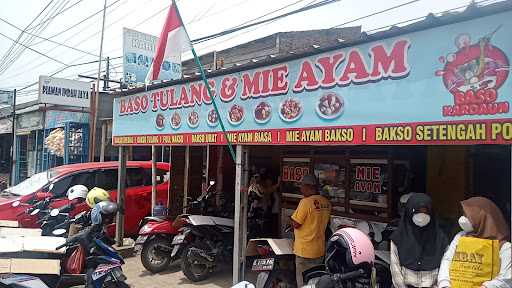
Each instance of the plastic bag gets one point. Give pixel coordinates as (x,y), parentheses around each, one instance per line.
(76,261)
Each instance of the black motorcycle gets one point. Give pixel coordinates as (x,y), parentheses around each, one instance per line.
(203,241)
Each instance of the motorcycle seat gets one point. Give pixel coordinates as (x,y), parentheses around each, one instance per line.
(155,219)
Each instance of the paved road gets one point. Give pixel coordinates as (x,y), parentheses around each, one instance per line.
(138,277)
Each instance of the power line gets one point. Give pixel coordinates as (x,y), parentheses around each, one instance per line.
(422,17)
(51,58)
(61,12)
(76,34)
(47,39)
(238,28)
(26,42)
(375,13)
(81,21)
(21,34)
(64,68)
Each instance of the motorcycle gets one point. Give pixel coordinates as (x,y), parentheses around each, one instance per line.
(204,241)
(103,263)
(154,243)
(274,262)
(320,278)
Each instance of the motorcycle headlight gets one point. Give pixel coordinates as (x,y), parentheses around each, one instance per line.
(145,229)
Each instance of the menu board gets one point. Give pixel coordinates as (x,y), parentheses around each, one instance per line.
(369,182)
(292,172)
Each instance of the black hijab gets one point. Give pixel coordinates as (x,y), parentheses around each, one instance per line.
(419,248)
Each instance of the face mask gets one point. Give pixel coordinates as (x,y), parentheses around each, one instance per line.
(465,224)
(421,219)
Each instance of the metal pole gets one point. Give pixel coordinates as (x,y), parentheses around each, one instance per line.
(169,198)
(153,179)
(103,138)
(207,164)
(244,209)
(93,140)
(13,149)
(121,182)
(237,247)
(107,77)
(185,178)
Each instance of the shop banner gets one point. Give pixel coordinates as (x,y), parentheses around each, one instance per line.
(56,118)
(445,85)
(66,92)
(138,52)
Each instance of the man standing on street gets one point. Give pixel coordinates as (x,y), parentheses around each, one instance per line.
(309,222)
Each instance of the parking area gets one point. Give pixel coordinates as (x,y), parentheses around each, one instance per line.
(138,277)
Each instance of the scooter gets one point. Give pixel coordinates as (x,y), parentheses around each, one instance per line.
(274,261)
(204,241)
(103,263)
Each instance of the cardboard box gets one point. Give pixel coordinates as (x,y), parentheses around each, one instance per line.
(45,244)
(279,246)
(8,231)
(32,266)
(7,223)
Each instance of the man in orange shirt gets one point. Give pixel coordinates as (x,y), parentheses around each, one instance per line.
(309,221)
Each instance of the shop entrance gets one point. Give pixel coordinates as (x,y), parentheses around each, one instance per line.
(366,183)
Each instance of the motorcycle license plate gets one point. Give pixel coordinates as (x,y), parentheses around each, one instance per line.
(178,239)
(263,264)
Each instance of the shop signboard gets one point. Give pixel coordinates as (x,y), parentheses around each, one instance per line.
(6,98)
(65,92)
(445,85)
(138,52)
(56,118)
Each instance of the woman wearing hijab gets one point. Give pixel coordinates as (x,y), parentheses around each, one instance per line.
(417,246)
(479,256)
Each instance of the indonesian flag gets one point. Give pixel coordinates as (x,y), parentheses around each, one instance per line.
(172,43)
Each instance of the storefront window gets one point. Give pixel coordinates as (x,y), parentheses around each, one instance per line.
(331,178)
(292,172)
(369,186)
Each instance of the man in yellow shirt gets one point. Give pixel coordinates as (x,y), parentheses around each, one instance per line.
(309,221)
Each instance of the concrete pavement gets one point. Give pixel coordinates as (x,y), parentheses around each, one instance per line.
(138,277)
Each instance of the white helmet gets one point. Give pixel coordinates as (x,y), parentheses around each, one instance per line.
(77,191)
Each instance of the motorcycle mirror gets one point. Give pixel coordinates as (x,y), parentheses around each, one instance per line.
(54,212)
(212,182)
(59,232)
(16,203)
(35,212)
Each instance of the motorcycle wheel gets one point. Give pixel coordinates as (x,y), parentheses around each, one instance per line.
(194,272)
(153,260)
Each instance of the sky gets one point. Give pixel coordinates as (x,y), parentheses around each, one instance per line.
(201,18)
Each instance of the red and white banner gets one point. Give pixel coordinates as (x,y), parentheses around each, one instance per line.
(173,42)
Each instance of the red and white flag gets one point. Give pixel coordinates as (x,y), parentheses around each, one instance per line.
(172,43)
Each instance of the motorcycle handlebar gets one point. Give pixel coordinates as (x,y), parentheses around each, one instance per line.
(349,275)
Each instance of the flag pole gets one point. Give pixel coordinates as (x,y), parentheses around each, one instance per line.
(205,81)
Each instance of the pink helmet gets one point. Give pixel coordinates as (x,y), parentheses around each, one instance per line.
(349,249)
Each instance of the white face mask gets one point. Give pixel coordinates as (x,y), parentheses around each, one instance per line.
(421,219)
(465,224)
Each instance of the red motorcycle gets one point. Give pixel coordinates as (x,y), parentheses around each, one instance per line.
(154,243)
